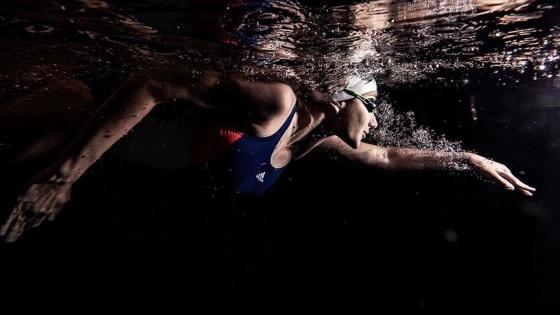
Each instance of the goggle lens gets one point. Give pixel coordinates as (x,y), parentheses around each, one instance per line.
(369,102)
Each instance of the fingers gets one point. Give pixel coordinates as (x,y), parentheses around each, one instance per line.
(519,184)
(511,182)
(502,175)
(15,226)
(39,202)
(30,211)
(524,189)
(36,220)
(10,221)
(13,236)
(22,218)
(53,214)
(45,204)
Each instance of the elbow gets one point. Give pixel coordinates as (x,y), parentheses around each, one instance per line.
(389,159)
(377,157)
(153,84)
(384,159)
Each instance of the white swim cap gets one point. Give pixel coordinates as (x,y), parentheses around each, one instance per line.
(358,85)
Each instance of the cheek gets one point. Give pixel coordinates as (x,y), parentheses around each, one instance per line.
(356,127)
(361,122)
(347,130)
(355,123)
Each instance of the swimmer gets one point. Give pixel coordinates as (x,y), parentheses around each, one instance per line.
(251,127)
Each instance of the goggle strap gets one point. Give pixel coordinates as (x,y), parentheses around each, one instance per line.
(367,103)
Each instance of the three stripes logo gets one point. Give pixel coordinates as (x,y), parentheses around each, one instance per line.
(260,176)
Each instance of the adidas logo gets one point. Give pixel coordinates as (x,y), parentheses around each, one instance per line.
(260,176)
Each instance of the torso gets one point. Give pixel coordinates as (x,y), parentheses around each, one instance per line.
(200,138)
(253,163)
(250,157)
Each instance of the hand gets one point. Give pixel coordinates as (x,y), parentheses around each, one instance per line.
(499,173)
(39,201)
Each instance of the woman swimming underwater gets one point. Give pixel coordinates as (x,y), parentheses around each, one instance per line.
(251,128)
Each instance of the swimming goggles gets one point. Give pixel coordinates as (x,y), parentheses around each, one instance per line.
(367,101)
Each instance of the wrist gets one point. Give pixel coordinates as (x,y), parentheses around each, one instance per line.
(70,170)
(466,158)
(463,161)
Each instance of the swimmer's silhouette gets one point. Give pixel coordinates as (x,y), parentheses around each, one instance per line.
(251,127)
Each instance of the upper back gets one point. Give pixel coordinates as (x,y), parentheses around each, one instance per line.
(259,104)
(262,103)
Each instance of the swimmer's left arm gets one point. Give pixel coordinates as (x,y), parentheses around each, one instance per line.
(389,158)
(46,194)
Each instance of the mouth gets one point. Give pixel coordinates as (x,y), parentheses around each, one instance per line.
(365,133)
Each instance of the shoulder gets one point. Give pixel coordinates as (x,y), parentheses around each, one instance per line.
(255,98)
(268,97)
(264,88)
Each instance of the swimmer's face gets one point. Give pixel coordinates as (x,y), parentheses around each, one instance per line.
(354,121)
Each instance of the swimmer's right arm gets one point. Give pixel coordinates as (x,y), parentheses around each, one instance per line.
(46,194)
(252,101)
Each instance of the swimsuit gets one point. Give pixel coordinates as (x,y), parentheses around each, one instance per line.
(195,137)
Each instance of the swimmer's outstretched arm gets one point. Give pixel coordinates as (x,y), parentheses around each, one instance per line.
(252,101)
(368,155)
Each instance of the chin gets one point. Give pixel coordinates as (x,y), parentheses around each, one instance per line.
(352,143)
(352,140)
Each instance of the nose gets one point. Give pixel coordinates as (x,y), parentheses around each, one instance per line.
(372,121)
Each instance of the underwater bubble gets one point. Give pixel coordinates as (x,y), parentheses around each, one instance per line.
(450,235)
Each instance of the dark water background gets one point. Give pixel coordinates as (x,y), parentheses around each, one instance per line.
(482,73)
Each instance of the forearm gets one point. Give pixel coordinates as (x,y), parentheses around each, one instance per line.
(392,158)
(122,111)
(372,156)
(414,159)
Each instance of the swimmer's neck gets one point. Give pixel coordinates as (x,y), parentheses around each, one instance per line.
(309,116)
